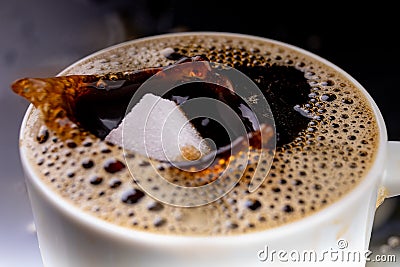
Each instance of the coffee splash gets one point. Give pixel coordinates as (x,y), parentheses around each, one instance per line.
(97,104)
(60,98)
(323,160)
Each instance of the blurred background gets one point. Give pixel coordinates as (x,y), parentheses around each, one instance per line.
(42,37)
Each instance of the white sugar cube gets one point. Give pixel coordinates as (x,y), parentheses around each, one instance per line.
(158,128)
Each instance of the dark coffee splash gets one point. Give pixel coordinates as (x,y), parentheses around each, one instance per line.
(284,87)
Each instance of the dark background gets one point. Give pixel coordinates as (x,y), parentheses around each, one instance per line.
(40,38)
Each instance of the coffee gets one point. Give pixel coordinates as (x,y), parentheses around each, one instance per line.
(327,140)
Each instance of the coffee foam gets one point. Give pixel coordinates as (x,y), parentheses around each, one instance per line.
(324,163)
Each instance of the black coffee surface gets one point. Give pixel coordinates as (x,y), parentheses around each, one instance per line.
(328,138)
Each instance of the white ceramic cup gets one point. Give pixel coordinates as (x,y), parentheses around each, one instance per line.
(338,234)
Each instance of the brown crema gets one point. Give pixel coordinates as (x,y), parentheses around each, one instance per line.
(327,138)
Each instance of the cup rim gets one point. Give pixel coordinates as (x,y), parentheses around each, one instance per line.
(126,234)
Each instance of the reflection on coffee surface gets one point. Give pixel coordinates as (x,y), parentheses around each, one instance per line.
(326,132)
